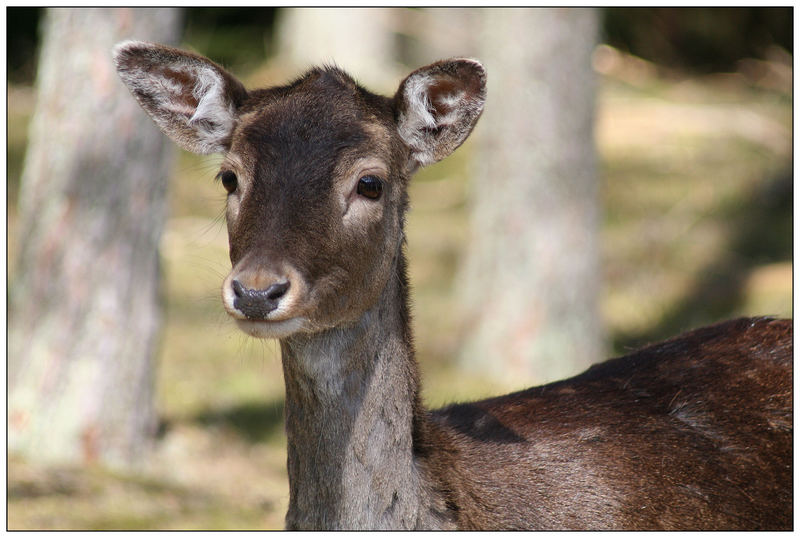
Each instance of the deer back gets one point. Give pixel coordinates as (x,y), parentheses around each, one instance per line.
(691,433)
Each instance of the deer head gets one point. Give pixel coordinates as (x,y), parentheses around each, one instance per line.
(316,174)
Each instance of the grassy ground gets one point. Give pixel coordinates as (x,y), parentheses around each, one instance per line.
(696,183)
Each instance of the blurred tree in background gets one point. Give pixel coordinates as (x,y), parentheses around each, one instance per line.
(359,40)
(84,308)
(531,280)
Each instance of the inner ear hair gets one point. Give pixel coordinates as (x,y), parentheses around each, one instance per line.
(438,106)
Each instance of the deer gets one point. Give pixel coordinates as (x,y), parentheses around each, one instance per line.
(691,433)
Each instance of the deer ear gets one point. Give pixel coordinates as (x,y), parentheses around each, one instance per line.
(437,107)
(191,99)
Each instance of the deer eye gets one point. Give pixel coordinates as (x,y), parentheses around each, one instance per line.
(370,187)
(228,180)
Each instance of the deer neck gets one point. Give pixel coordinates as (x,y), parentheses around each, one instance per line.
(352,412)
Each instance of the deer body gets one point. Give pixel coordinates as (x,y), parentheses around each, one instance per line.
(710,448)
(693,433)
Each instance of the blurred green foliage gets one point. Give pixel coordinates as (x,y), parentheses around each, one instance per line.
(22,42)
(702,40)
(238,38)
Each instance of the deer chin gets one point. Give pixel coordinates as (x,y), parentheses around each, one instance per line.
(272,329)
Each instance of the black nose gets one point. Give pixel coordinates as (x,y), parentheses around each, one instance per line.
(257,304)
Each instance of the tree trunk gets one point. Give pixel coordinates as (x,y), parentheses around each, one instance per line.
(359,40)
(84,306)
(531,281)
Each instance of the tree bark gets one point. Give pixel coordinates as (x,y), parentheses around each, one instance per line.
(359,40)
(84,306)
(531,280)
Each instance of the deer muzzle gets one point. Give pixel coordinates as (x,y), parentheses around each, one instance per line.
(256,304)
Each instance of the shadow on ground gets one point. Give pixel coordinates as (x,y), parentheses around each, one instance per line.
(761,233)
(254,422)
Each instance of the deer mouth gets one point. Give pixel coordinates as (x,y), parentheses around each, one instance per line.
(271,328)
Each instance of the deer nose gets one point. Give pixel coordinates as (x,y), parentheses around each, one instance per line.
(258,303)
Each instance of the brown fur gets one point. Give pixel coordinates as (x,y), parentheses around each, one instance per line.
(692,433)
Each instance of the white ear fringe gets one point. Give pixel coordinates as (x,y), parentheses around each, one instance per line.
(214,118)
(417,117)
